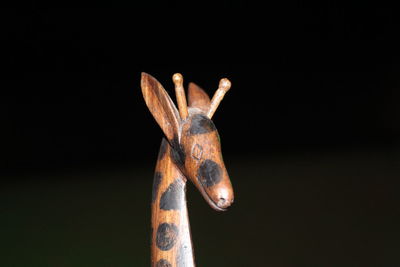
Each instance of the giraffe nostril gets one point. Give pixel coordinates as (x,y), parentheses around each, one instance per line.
(223,203)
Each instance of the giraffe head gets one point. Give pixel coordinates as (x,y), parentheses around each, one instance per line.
(194,139)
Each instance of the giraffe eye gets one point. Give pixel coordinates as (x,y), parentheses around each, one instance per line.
(197,152)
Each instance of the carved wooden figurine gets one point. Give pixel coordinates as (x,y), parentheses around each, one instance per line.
(190,150)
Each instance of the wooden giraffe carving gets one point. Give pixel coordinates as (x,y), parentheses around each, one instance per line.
(190,150)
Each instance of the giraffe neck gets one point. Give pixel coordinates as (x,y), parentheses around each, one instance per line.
(171,239)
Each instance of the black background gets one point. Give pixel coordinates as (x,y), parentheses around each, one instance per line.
(315,88)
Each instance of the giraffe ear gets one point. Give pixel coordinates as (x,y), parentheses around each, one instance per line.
(198,98)
(160,105)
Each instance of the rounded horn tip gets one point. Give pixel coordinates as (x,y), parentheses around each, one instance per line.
(177,78)
(225,84)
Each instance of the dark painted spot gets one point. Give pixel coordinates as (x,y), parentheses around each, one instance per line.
(167,235)
(156,185)
(209,173)
(171,199)
(163,149)
(177,152)
(163,263)
(201,124)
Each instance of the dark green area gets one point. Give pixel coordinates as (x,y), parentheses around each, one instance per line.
(305,210)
